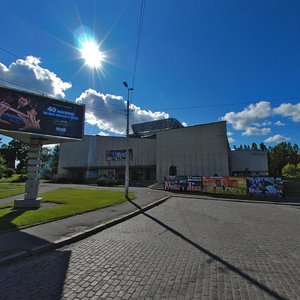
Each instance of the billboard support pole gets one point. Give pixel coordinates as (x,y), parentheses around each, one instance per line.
(31,199)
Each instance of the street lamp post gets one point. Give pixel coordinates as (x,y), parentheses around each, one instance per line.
(127,141)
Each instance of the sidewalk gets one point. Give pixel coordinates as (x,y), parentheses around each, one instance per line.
(18,244)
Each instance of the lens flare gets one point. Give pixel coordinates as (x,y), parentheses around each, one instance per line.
(88,47)
(91,54)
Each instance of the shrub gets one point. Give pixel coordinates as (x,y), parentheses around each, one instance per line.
(9,172)
(107,182)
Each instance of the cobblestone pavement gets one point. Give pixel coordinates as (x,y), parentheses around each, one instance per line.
(183,249)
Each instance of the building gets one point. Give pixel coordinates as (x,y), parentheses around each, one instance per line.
(246,162)
(157,149)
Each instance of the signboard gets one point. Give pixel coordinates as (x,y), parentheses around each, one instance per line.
(225,185)
(265,186)
(22,112)
(114,155)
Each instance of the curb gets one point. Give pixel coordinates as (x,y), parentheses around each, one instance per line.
(78,236)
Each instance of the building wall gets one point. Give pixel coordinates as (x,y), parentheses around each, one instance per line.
(249,161)
(91,153)
(195,150)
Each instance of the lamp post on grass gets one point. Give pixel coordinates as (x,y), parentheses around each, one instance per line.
(127,141)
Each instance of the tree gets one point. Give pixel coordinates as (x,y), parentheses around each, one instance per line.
(280,155)
(2,166)
(254,146)
(16,149)
(263,147)
(49,162)
(54,160)
(292,171)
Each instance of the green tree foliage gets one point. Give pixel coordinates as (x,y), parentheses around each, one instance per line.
(49,162)
(254,146)
(263,147)
(15,149)
(291,171)
(2,166)
(280,155)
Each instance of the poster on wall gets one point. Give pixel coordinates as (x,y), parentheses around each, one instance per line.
(265,186)
(183,183)
(24,112)
(225,185)
(115,155)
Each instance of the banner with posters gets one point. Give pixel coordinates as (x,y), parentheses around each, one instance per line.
(225,185)
(24,112)
(265,186)
(183,183)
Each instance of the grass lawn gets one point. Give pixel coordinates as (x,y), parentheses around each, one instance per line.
(70,202)
(7,190)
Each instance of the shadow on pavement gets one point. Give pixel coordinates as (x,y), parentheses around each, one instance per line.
(213,256)
(38,277)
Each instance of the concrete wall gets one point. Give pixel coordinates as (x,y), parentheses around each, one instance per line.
(91,153)
(249,160)
(195,150)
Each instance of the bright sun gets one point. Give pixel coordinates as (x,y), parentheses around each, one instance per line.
(91,54)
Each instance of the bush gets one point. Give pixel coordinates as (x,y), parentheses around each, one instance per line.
(8,172)
(20,178)
(107,182)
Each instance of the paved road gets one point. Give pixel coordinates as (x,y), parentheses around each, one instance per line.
(184,249)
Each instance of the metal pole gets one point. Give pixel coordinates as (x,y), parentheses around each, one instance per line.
(127,149)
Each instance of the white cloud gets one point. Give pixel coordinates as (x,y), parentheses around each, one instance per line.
(265,123)
(103,133)
(27,74)
(277,138)
(256,131)
(108,112)
(231,140)
(229,133)
(289,110)
(251,114)
(279,123)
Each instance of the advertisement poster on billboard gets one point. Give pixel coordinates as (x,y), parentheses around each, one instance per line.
(225,185)
(23,112)
(265,186)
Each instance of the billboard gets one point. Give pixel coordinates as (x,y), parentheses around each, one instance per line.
(225,185)
(23,112)
(115,155)
(265,186)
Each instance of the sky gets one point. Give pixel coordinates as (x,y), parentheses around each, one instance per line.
(198,61)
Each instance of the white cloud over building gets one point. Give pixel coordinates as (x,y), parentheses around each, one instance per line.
(108,112)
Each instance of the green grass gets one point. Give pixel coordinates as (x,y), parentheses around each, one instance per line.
(70,202)
(7,190)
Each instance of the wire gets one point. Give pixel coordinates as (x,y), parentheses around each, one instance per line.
(138,40)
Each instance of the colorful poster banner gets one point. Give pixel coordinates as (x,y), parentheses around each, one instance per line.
(225,185)
(265,186)
(183,183)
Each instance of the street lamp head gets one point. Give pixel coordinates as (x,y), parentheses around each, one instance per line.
(125,84)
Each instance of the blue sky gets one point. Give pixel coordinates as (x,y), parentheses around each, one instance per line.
(199,62)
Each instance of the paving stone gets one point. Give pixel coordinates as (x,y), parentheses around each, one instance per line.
(184,249)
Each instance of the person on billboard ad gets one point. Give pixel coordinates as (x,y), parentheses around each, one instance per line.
(22,117)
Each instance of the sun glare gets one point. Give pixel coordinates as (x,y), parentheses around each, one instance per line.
(91,54)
